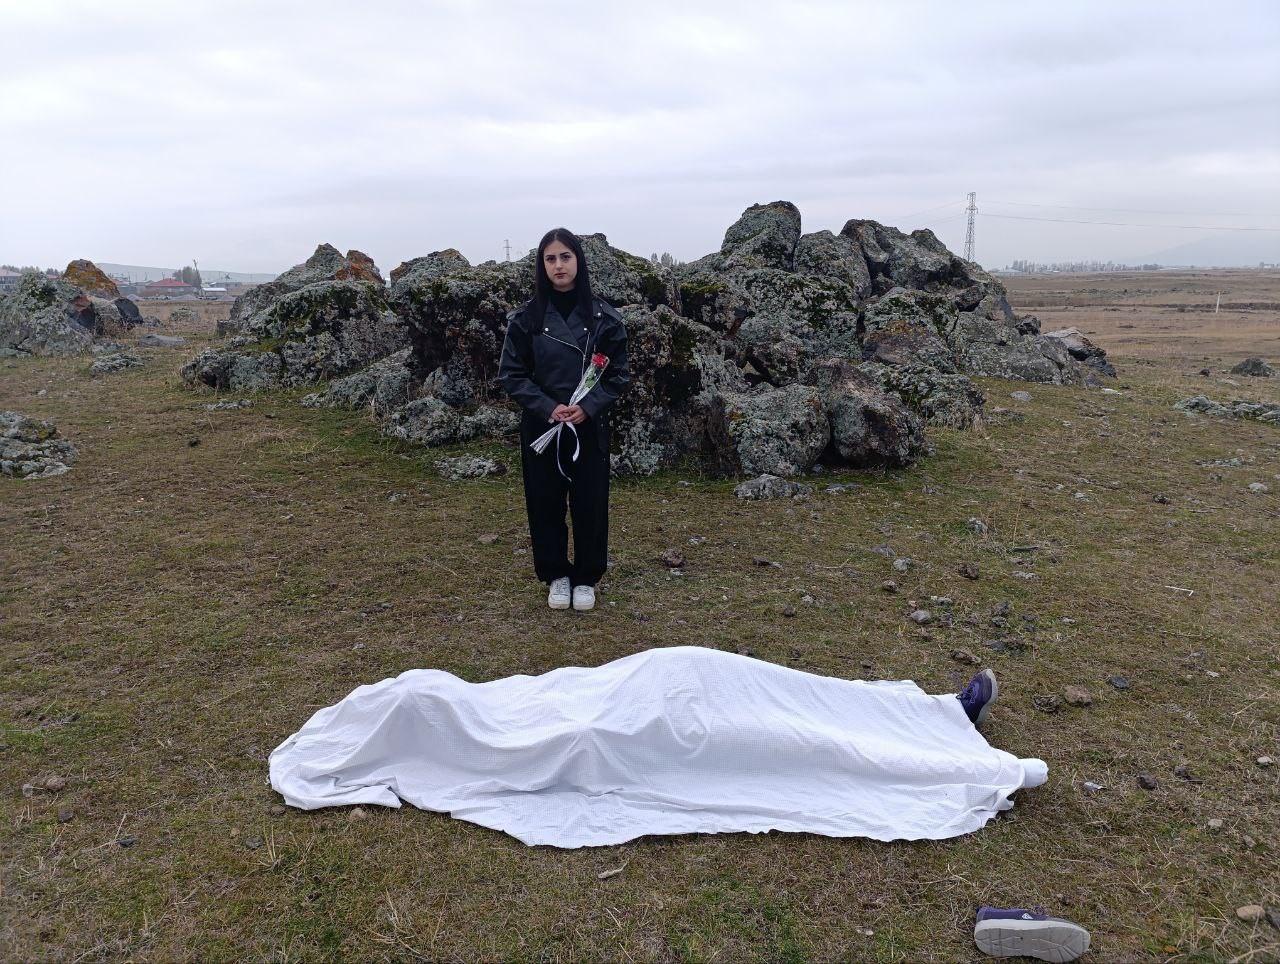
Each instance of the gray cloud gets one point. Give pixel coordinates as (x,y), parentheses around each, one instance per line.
(243,134)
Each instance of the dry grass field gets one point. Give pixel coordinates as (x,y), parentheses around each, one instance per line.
(201,582)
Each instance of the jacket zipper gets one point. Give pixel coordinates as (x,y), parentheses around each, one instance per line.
(575,348)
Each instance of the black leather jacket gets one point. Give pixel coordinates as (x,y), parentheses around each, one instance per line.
(542,364)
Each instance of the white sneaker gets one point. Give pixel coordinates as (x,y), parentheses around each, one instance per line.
(558,597)
(584,598)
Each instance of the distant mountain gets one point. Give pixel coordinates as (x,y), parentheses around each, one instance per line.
(210,276)
(1226,250)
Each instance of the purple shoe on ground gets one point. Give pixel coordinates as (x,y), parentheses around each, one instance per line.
(977,697)
(1028,933)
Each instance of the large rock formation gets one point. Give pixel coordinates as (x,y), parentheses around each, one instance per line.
(324,318)
(779,350)
(44,315)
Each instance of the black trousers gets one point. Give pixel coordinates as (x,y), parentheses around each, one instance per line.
(585,492)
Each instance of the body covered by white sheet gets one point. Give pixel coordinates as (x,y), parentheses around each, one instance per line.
(677,740)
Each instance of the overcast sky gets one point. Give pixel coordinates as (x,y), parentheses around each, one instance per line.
(243,134)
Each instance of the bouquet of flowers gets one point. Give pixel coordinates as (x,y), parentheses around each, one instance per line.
(590,378)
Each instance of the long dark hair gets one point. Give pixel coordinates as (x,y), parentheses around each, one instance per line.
(581,283)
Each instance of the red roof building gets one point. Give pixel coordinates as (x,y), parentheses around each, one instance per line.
(167,288)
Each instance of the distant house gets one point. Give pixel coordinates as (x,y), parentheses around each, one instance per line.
(127,288)
(167,288)
(8,279)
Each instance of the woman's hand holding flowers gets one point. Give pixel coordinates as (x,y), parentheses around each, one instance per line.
(573,414)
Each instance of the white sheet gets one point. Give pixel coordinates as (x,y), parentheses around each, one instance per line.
(678,740)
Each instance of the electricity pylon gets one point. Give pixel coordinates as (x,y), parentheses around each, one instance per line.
(972,210)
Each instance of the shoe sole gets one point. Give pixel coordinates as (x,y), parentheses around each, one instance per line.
(584,609)
(557,604)
(1047,940)
(986,707)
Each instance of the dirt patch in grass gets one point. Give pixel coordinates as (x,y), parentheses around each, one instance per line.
(201,582)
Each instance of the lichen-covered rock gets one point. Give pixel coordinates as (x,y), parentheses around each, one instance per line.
(52,316)
(316,332)
(382,386)
(940,398)
(916,260)
(905,327)
(991,348)
(39,318)
(869,426)
(771,487)
(488,422)
(792,321)
(224,370)
(1082,349)
(1255,368)
(427,421)
(774,431)
(91,280)
(774,322)
(621,278)
(834,257)
(676,364)
(1268,412)
(152,340)
(457,315)
(985,336)
(765,236)
(30,448)
(249,312)
(727,352)
(112,362)
(182,315)
(469,467)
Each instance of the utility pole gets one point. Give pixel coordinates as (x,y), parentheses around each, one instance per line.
(506,244)
(972,210)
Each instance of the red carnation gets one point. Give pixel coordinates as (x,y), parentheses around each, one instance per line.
(599,360)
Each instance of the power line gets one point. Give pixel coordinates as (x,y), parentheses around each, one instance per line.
(954,217)
(949,204)
(1200,214)
(1125,224)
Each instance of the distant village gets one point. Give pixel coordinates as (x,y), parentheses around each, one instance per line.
(1098,267)
(164,289)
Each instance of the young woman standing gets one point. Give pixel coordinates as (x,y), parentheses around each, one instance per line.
(550,342)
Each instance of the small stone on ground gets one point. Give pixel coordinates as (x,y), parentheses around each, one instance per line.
(1078,696)
(469,467)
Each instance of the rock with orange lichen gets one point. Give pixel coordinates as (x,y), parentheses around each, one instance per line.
(359,267)
(62,315)
(326,264)
(324,318)
(91,279)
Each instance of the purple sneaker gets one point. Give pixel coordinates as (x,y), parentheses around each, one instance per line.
(977,697)
(1028,933)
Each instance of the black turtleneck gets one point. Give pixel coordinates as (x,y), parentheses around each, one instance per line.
(565,301)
